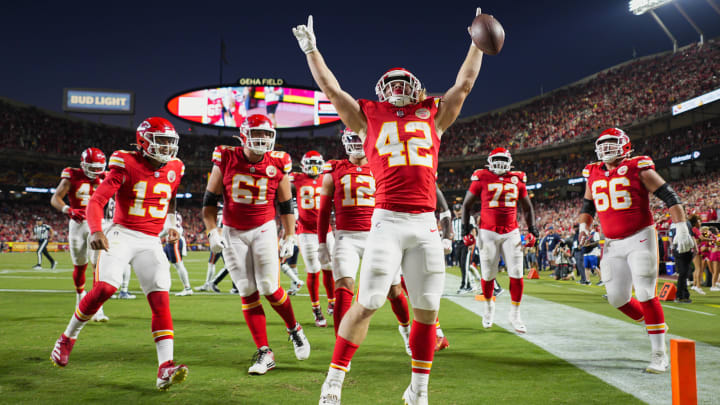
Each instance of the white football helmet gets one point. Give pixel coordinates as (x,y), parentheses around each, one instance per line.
(312,163)
(408,91)
(613,143)
(499,161)
(258,134)
(353,144)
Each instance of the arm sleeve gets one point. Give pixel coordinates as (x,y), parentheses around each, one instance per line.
(100,197)
(323,221)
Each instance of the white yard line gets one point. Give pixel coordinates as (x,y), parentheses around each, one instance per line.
(615,351)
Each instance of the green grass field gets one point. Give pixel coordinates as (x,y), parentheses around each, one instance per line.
(116,362)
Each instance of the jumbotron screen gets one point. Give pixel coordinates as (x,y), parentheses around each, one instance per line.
(227,106)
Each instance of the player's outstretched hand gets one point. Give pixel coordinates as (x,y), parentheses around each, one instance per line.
(98,241)
(217,243)
(306,36)
(683,241)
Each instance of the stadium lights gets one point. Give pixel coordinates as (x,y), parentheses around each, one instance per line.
(639,7)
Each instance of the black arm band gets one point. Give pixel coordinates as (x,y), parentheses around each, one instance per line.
(210,199)
(285,207)
(668,195)
(588,207)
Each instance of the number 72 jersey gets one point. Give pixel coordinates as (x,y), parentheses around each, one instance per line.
(621,200)
(498,196)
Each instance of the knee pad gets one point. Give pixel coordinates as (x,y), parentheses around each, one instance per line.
(372,301)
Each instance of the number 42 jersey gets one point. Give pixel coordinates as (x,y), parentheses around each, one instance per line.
(249,188)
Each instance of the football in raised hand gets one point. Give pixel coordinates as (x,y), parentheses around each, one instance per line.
(487,34)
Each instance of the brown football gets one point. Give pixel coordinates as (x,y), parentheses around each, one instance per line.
(487,34)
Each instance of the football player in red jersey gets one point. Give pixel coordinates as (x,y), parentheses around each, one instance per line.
(79,185)
(401,136)
(617,189)
(251,179)
(144,183)
(307,187)
(499,190)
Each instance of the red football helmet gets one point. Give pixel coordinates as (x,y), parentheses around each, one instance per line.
(612,144)
(157,139)
(257,133)
(312,163)
(353,144)
(92,162)
(499,161)
(407,93)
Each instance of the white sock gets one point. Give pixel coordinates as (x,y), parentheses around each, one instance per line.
(74,327)
(405,329)
(125,279)
(657,342)
(289,272)
(183,274)
(164,350)
(210,273)
(336,375)
(439,333)
(419,382)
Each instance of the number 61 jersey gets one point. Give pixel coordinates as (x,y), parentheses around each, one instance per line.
(143,192)
(621,200)
(249,188)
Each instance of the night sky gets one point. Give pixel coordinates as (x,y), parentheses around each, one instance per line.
(157,50)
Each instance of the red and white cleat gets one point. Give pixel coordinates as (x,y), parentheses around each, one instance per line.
(61,352)
(441,343)
(169,373)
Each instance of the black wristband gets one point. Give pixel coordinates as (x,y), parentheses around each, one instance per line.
(285,207)
(667,195)
(588,207)
(210,199)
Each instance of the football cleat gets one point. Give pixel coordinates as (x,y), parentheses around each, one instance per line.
(658,363)
(320,321)
(61,352)
(234,291)
(169,374)
(330,394)
(405,334)
(415,398)
(489,314)
(53,265)
(214,287)
(441,343)
(295,287)
(330,308)
(185,292)
(124,295)
(203,287)
(37,267)
(263,360)
(516,321)
(300,342)
(100,316)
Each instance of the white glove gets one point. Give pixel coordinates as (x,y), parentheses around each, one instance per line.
(683,241)
(447,246)
(217,243)
(583,234)
(323,253)
(305,36)
(287,246)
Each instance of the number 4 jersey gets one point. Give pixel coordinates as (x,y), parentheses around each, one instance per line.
(354,196)
(499,196)
(81,187)
(249,188)
(621,200)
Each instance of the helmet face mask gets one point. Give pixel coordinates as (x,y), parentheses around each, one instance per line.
(257,134)
(353,144)
(312,163)
(499,161)
(92,162)
(157,139)
(612,144)
(399,87)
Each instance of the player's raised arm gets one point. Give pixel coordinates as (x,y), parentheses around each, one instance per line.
(453,100)
(346,106)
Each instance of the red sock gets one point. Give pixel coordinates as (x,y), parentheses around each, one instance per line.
(94,299)
(634,310)
(402,284)
(79,277)
(654,316)
(422,344)
(487,287)
(162,324)
(281,304)
(329,283)
(516,290)
(313,281)
(400,309)
(343,353)
(343,301)
(255,319)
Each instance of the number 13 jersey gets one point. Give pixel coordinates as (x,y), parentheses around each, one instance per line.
(249,188)
(401,145)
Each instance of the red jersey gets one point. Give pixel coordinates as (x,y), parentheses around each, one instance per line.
(401,145)
(142,193)
(81,186)
(249,188)
(354,196)
(621,200)
(214,110)
(499,196)
(307,191)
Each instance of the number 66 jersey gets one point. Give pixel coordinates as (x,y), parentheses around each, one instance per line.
(249,188)
(621,200)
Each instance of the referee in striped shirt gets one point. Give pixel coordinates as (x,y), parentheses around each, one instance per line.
(460,251)
(43,233)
